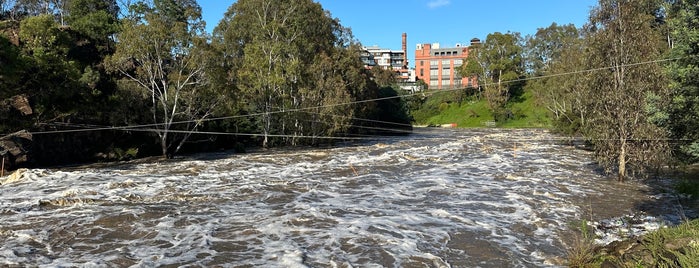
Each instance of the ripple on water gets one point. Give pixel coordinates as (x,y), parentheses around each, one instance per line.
(439,198)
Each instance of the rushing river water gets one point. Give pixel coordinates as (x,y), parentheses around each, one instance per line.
(437,198)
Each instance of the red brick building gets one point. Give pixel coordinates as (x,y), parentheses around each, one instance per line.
(439,67)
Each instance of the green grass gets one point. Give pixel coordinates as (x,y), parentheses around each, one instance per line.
(667,247)
(528,114)
(444,108)
(469,114)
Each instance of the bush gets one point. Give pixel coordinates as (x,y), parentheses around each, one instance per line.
(688,187)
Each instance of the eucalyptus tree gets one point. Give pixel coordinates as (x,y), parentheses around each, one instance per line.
(546,46)
(161,48)
(278,53)
(384,77)
(554,61)
(497,62)
(56,8)
(623,42)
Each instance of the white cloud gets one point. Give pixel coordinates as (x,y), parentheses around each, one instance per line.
(438,3)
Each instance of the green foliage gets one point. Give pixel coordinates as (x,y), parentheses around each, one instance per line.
(527,113)
(164,53)
(547,46)
(553,61)
(94,18)
(41,36)
(11,65)
(271,52)
(444,107)
(688,187)
(581,253)
(683,110)
(298,70)
(391,109)
(676,246)
(121,154)
(383,77)
(673,247)
(498,64)
(623,33)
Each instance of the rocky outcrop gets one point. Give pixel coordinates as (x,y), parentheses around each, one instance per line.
(19,103)
(15,148)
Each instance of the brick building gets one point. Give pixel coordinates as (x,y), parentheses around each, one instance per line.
(439,66)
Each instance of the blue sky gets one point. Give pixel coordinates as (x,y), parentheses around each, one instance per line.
(381,22)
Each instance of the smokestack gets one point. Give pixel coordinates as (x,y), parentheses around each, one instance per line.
(405,49)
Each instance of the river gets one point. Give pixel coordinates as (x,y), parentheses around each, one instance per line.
(436,198)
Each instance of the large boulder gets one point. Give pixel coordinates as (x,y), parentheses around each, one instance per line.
(14,149)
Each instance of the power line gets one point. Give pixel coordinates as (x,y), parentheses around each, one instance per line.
(423,93)
(305,109)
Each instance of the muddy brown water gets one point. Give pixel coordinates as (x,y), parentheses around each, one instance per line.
(437,198)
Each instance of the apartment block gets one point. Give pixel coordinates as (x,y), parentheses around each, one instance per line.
(439,66)
(396,60)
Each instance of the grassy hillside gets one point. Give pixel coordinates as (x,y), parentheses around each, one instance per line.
(447,107)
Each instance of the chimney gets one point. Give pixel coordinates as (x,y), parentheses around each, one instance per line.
(405,49)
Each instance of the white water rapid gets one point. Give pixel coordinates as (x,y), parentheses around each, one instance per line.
(437,198)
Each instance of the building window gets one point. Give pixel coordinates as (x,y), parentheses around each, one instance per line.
(422,63)
(446,63)
(434,62)
(434,72)
(422,72)
(446,72)
(434,83)
(458,62)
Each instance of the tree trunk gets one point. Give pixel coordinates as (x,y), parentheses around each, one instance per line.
(163,144)
(622,161)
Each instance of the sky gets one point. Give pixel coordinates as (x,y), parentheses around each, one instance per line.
(448,22)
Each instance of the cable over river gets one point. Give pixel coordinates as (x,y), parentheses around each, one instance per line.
(437,198)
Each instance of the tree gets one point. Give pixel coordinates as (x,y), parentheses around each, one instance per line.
(681,116)
(497,63)
(623,42)
(56,8)
(547,45)
(96,19)
(275,49)
(162,51)
(554,60)
(383,77)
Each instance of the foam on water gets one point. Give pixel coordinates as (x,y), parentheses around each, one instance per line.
(441,198)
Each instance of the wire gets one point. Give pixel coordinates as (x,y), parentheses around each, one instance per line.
(144,127)
(422,93)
